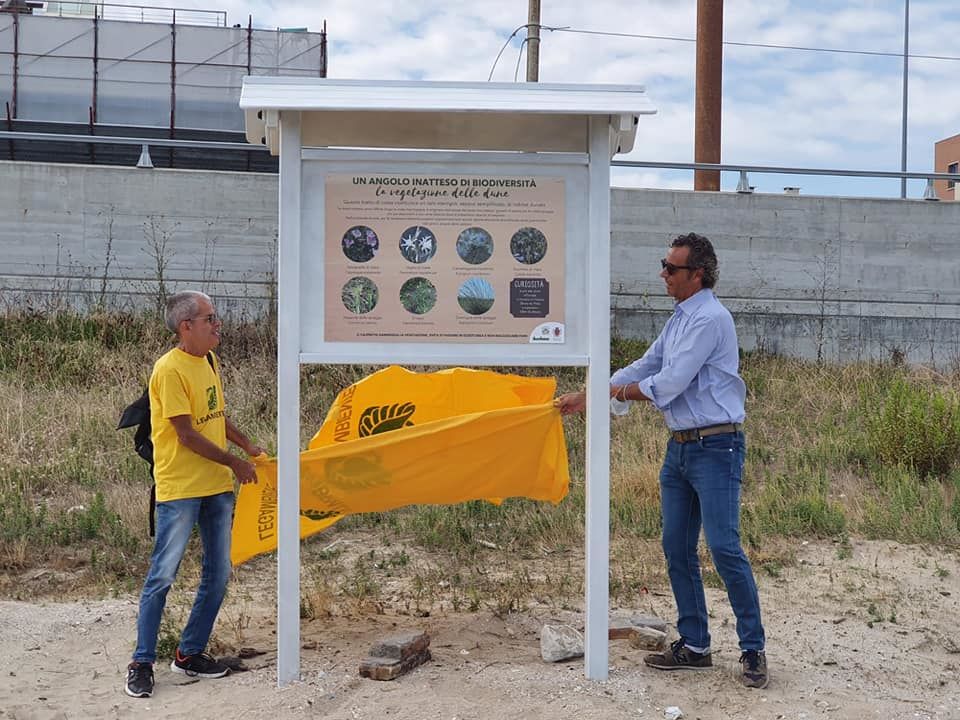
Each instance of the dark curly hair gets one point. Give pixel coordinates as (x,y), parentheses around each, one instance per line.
(701,256)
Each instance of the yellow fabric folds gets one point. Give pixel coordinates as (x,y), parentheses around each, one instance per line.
(399,438)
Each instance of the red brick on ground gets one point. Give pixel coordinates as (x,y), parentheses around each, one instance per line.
(400,647)
(396,655)
(377,668)
(619,632)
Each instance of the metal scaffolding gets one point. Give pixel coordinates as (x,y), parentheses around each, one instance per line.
(128,65)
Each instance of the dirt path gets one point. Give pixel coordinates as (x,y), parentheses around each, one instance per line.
(870,635)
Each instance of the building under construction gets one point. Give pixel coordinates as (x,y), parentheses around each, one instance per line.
(126,71)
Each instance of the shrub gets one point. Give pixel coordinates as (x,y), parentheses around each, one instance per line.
(42,527)
(918,427)
(624,351)
(795,503)
(905,508)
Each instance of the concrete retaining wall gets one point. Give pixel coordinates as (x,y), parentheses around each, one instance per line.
(94,235)
(833,278)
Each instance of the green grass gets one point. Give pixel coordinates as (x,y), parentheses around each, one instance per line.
(869,450)
(795,502)
(914,425)
(907,508)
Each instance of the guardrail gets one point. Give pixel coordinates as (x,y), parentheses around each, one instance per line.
(743,186)
(134,13)
(118,140)
(144,161)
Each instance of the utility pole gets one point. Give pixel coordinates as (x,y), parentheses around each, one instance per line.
(533,41)
(709,92)
(903,121)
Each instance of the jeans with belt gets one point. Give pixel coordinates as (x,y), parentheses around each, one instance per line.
(700,486)
(175,522)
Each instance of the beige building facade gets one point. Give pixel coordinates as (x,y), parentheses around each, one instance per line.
(946,159)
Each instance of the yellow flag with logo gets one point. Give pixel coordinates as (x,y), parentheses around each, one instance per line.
(399,438)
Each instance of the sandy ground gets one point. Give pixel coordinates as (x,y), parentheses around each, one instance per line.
(869,635)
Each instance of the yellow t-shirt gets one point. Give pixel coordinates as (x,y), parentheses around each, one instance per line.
(183,384)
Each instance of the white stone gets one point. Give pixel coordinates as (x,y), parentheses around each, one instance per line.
(560,642)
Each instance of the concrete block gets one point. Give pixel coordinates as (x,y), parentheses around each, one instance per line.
(392,657)
(378,668)
(400,647)
(647,638)
(643,631)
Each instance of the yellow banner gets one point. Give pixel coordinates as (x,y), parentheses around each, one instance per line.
(400,438)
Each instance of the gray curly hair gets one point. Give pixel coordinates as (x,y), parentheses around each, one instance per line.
(701,256)
(183,306)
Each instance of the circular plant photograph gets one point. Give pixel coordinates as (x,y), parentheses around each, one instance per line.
(475,296)
(418,244)
(360,295)
(360,243)
(528,245)
(474,245)
(418,295)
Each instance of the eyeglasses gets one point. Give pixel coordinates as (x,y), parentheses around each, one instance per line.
(211,318)
(671,268)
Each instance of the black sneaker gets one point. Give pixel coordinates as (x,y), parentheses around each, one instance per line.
(678,657)
(139,680)
(199,665)
(753,664)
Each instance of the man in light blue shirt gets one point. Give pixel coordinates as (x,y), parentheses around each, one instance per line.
(690,373)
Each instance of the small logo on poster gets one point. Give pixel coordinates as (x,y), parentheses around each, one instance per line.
(549,332)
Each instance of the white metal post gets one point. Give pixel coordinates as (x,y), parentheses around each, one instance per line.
(288,403)
(596,646)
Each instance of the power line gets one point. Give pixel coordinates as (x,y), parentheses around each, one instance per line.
(512,35)
(769,46)
(516,71)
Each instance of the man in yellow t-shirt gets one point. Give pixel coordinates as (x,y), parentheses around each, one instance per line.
(194,476)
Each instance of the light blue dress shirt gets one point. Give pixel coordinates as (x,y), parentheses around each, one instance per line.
(690,372)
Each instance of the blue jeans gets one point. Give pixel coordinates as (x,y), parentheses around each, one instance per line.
(175,522)
(700,485)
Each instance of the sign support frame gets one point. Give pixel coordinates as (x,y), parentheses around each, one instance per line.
(300,118)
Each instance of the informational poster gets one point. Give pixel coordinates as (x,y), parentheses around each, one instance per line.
(444,258)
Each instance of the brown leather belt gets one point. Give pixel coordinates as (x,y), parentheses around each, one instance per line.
(682,436)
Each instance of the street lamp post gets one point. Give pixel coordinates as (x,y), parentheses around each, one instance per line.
(903,121)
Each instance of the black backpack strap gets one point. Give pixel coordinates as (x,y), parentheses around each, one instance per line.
(153,510)
(136,413)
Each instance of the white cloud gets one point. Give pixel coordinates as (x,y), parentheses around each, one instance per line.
(781,107)
(640,178)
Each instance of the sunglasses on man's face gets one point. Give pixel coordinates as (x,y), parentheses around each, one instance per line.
(671,268)
(212,318)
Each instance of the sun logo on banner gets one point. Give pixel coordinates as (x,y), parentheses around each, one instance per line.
(384,418)
(318,515)
(359,472)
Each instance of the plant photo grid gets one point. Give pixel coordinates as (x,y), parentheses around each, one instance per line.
(418,295)
(360,244)
(360,295)
(418,244)
(528,245)
(474,245)
(476,296)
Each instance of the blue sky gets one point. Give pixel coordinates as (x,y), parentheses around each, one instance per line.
(781,107)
